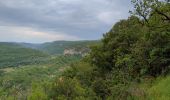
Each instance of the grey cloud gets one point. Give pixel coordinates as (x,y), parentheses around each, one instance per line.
(74,17)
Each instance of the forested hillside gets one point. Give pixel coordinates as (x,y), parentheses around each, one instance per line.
(16,54)
(25,67)
(17,83)
(135,51)
(58,47)
(13,54)
(132,62)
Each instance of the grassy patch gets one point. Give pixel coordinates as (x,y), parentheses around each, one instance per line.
(160,89)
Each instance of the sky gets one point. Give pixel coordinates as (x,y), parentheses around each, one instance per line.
(38,21)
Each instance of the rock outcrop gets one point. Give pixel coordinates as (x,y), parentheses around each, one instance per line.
(76,51)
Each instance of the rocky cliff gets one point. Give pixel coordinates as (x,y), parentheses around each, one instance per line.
(76,51)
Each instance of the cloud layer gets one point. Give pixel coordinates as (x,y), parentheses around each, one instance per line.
(49,20)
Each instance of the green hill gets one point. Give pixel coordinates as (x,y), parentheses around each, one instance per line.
(13,54)
(16,54)
(17,82)
(58,47)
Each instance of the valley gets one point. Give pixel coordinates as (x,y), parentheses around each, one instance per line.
(22,66)
(85,60)
(17,54)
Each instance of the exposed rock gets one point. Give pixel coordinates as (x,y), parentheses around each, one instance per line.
(76,51)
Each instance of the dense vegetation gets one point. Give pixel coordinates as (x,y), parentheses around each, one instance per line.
(12,55)
(134,51)
(24,68)
(18,54)
(15,83)
(57,47)
(131,62)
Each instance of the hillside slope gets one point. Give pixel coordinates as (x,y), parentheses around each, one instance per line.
(17,82)
(157,89)
(160,89)
(58,47)
(13,54)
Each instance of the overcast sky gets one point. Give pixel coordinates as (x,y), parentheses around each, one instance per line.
(38,21)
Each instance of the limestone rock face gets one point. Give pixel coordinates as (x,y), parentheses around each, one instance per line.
(76,51)
(71,52)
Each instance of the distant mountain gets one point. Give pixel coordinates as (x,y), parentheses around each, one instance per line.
(58,47)
(14,54)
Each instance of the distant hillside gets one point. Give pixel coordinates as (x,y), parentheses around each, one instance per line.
(16,54)
(13,54)
(58,47)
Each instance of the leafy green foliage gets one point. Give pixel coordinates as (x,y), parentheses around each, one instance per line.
(37,93)
(160,89)
(134,49)
(32,81)
(70,89)
(131,50)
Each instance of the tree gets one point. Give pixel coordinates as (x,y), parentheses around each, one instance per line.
(156,14)
(146,8)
